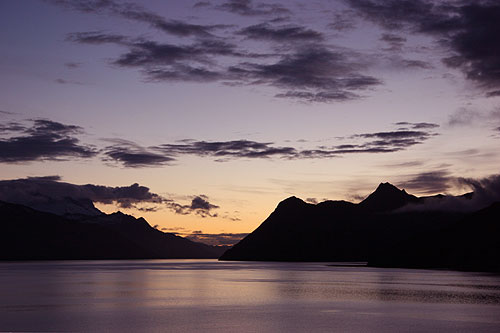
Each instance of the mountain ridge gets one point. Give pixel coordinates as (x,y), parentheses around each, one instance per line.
(387,197)
(369,231)
(29,234)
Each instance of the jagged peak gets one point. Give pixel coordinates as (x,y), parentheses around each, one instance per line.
(387,197)
(388,186)
(290,202)
(293,199)
(117,213)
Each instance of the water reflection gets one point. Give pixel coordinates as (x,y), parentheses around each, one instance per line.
(194,295)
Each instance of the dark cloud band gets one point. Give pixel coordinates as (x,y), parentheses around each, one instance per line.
(43,140)
(49,140)
(47,193)
(137,13)
(248,8)
(469,29)
(378,142)
(300,64)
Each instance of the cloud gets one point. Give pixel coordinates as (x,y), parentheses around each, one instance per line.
(174,229)
(226,239)
(313,201)
(52,178)
(200,206)
(130,154)
(287,34)
(247,8)
(318,73)
(343,21)
(227,149)
(137,13)
(168,62)
(73,65)
(151,53)
(201,4)
(42,191)
(395,42)
(322,96)
(485,191)
(463,117)
(12,126)
(278,19)
(201,202)
(312,73)
(395,139)
(96,37)
(476,43)
(315,72)
(422,125)
(395,135)
(468,29)
(183,73)
(467,117)
(415,64)
(430,182)
(376,142)
(43,140)
(396,61)
(63,81)
(394,14)
(407,164)
(494,93)
(35,190)
(50,140)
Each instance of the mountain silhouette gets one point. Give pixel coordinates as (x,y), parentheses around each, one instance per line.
(471,244)
(69,207)
(389,228)
(387,197)
(29,234)
(65,206)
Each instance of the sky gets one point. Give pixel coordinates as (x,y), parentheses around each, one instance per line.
(201,116)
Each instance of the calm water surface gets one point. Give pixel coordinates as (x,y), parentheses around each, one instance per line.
(206,295)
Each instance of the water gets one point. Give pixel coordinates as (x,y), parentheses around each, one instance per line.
(206,295)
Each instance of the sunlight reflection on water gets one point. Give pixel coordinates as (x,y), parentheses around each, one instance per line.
(194,295)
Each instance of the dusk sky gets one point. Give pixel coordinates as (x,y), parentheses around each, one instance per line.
(218,110)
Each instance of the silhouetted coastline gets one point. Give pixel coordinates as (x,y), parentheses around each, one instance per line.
(390,228)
